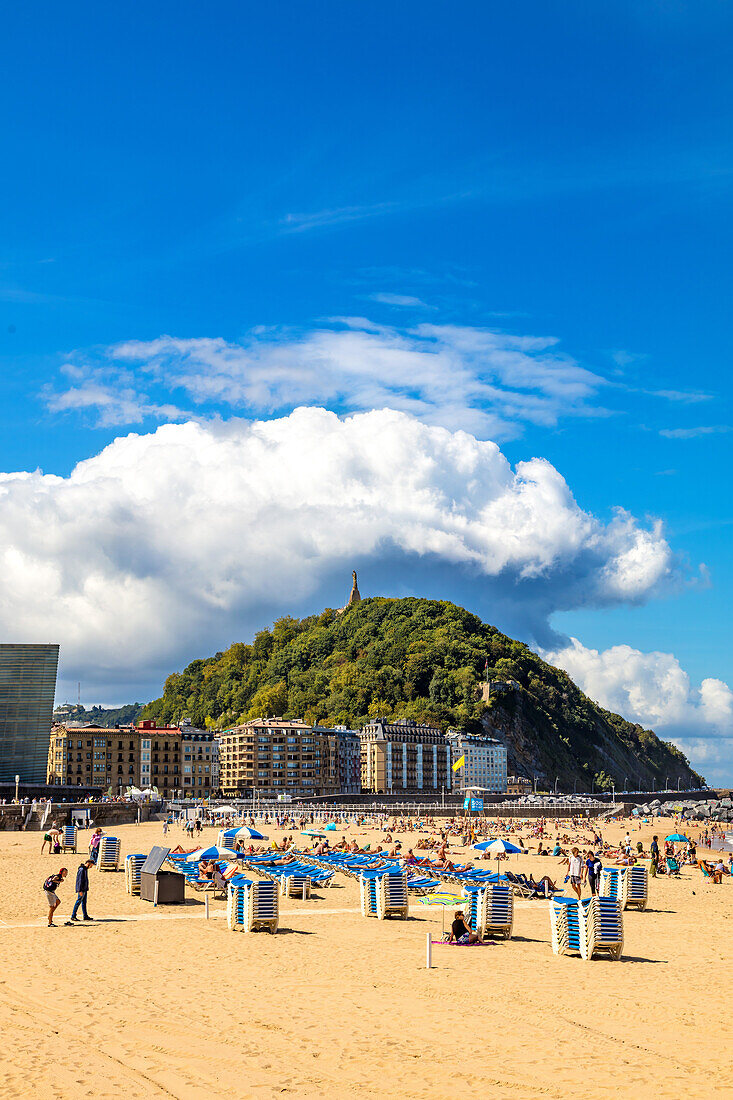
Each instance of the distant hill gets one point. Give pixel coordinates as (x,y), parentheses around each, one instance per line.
(99,716)
(422,659)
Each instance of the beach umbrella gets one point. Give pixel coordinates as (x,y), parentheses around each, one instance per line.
(331,827)
(214,852)
(443,898)
(497,848)
(312,832)
(678,838)
(243,831)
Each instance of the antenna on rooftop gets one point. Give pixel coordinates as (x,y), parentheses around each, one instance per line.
(78,693)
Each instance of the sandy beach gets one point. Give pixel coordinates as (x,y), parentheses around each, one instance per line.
(148,1003)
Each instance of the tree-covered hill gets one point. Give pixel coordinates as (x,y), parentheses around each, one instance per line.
(422,659)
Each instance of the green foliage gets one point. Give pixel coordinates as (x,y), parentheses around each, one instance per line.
(408,658)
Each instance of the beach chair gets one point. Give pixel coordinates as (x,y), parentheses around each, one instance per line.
(133,866)
(589,927)
(384,894)
(252,906)
(636,887)
(673,867)
(109,854)
(610,884)
(68,838)
(491,909)
(295,883)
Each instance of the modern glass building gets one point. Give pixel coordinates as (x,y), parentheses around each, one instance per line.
(27,687)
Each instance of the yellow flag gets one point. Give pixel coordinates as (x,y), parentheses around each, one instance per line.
(459,762)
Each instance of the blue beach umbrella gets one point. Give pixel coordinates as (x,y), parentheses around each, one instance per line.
(497,846)
(214,852)
(678,838)
(243,831)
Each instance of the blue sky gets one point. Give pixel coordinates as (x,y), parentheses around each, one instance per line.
(337,203)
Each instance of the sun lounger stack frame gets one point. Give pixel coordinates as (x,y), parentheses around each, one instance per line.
(491,909)
(587,928)
(384,894)
(253,906)
(109,854)
(133,866)
(629,885)
(68,838)
(295,886)
(636,887)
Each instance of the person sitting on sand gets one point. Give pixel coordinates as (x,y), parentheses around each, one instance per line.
(460,931)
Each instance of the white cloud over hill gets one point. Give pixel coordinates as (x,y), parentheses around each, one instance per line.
(185,532)
(655,691)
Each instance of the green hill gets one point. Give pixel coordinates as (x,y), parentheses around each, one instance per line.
(423,659)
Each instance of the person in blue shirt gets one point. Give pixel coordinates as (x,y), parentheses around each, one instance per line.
(82,889)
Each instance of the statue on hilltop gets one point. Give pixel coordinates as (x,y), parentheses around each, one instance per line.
(355,596)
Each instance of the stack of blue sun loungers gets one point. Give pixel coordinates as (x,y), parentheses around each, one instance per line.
(630,885)
(68,838)
(109,854)
(252,906)
(133,866)
(491,908)
(384,894)
(587,927)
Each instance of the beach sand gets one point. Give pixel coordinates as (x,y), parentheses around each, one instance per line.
(155,1003)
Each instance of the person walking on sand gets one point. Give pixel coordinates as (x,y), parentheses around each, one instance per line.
(82,889)
(575,871)
(50,887)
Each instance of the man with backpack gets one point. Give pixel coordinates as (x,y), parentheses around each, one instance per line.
(82,889)
(50,887)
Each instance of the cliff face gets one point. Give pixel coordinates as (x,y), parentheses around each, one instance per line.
(538,750)
(421,659)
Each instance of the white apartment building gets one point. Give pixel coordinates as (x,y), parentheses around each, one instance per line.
(485,764)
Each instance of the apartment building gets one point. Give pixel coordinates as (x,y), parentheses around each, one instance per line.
(404,756)
(485,761)
(200,763)
(94,756)
(345,744)
(278,756)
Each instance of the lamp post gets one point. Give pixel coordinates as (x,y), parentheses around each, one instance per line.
(666,782)
(626,779)
(613,788)
(679,780)
(556,779)
(575,786)
(17,781)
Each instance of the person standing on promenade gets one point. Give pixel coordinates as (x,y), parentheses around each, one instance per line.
(50,887)
(82,889)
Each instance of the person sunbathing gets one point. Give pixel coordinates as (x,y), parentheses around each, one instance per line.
(207,868)
(542,889)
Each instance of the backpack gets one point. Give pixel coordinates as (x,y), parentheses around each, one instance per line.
(51,883)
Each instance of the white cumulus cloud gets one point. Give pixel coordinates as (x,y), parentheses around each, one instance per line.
(654,690)
(166,545)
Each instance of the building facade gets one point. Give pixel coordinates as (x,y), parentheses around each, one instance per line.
(404,756)
(518,784)
(94,756)
(485,763)
(277,756)
(27,687)
(180,762)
